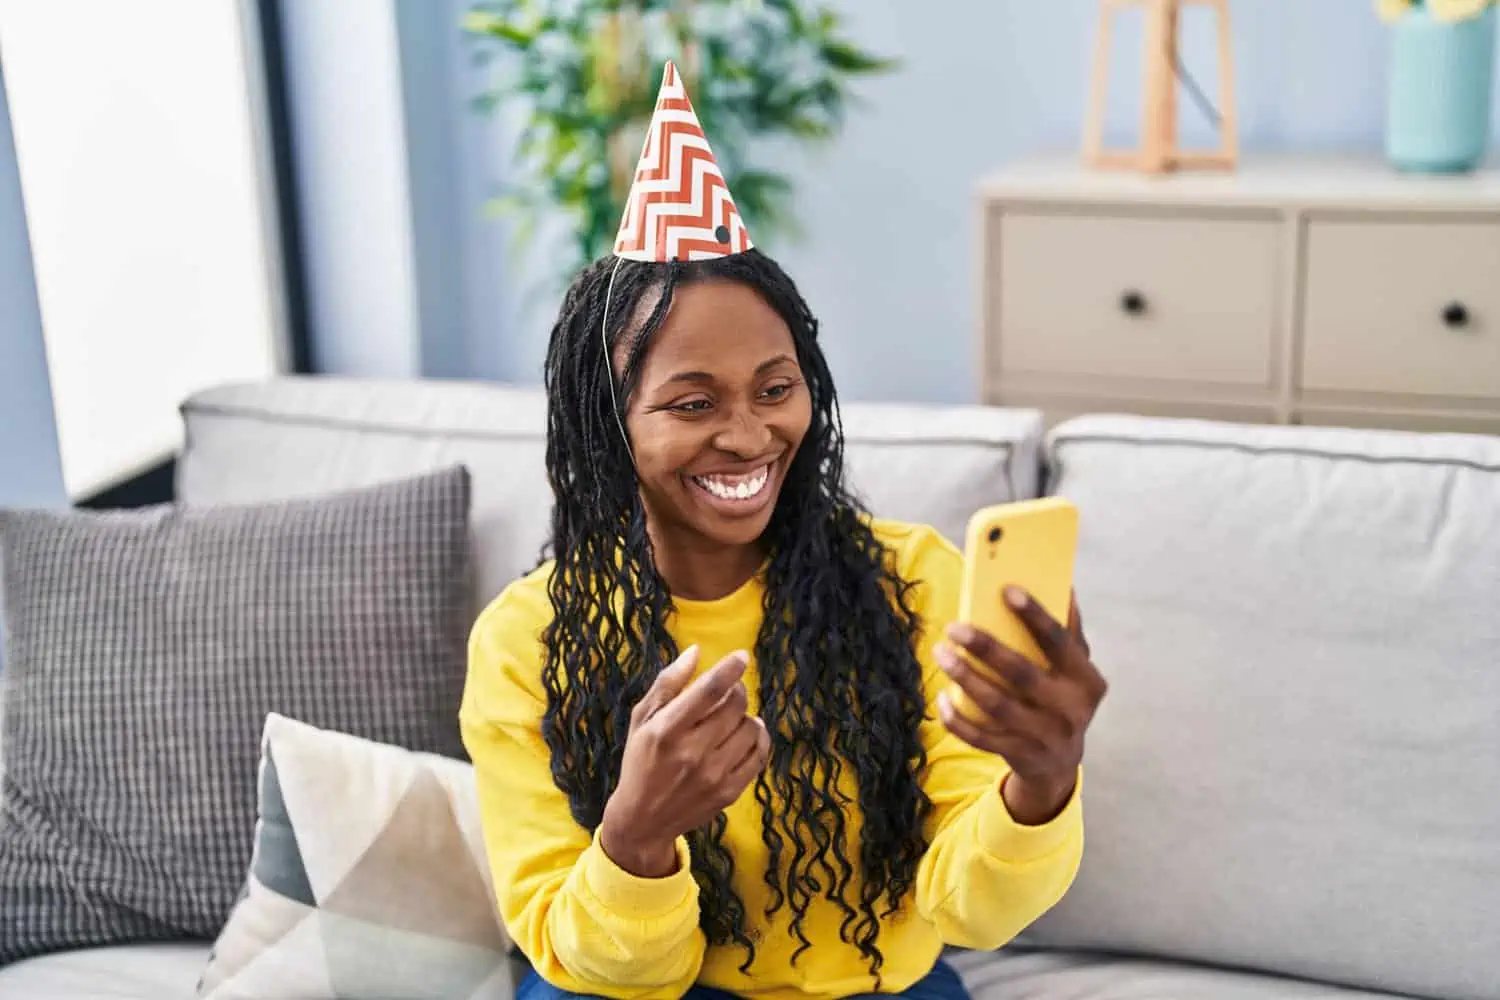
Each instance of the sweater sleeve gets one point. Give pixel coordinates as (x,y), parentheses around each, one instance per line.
(586,925)
(985,877)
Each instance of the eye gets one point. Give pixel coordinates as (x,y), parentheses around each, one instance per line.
(778,392)
(691,406)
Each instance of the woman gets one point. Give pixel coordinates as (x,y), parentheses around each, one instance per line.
(713,742)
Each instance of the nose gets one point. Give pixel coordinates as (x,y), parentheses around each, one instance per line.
(744,434)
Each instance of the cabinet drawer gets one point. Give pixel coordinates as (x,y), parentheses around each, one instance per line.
(1408,307)
(1156,298)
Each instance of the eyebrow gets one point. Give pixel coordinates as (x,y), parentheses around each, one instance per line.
(701,377)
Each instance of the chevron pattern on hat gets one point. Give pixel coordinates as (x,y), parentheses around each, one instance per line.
(679,207)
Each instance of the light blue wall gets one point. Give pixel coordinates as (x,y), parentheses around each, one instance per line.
(889,265)
(432,285)
(892,269)
(392,175)
(429,52)
(30,471)
(350,155)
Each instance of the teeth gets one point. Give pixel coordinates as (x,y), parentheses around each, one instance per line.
(735,487)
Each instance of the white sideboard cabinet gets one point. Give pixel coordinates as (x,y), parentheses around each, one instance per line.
(1292,290)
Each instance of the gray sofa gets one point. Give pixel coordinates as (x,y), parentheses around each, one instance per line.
(1292,789)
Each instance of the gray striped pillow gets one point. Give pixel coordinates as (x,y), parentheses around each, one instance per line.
(144,651)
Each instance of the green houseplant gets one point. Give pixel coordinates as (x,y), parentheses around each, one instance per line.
(585,75)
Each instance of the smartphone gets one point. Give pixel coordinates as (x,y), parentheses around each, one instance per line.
(1029,543)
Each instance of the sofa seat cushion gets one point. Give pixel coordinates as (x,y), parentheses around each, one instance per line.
(300,435)
(1012,974)
(1295,769)
(126,972)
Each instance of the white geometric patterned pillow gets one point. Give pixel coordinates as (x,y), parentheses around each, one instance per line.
(368,881)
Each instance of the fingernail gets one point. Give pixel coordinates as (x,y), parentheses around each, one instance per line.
(947,658)
(1015,597)
(945,705)
(961,633)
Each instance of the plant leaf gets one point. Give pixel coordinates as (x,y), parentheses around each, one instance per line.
(497,27)
(846,58)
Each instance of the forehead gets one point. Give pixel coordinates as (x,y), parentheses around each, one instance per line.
(716,326)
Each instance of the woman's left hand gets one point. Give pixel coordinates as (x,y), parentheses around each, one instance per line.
(1035,718)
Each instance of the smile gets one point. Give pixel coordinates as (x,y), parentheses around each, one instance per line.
(742,488)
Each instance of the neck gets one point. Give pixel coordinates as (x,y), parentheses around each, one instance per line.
(699,570)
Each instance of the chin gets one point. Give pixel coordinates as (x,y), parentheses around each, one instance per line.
(737,533)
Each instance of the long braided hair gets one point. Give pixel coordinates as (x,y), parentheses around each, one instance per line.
(840,684)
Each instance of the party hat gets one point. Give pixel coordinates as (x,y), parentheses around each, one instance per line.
(679,207)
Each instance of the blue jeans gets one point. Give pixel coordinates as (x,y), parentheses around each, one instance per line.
(942,983)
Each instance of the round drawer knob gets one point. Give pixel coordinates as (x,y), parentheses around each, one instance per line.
(1133,302)
(1456,315)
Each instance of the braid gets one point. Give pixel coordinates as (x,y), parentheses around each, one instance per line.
(840,684)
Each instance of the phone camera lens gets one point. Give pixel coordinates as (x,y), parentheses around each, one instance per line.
(994,535)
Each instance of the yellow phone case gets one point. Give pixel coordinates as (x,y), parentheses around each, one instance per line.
(1029,543)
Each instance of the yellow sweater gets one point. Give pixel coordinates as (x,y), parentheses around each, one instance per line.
(589,927)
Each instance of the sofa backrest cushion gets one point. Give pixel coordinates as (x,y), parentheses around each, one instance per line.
(305,435)
(1296,768)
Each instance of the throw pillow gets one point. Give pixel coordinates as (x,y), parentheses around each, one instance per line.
(144,651)
(368,879)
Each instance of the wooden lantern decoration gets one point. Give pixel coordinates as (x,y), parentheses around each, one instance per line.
(1158,151)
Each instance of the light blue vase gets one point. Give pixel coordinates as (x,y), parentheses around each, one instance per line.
(1440,86)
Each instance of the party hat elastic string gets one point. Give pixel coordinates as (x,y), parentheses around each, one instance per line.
(609,368)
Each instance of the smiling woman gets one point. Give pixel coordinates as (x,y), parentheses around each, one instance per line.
(711,748)
(719,411)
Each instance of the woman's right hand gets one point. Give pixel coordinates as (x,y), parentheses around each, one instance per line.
(692,751)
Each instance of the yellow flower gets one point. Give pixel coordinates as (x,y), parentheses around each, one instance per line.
(1393,10)
(1450,11)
